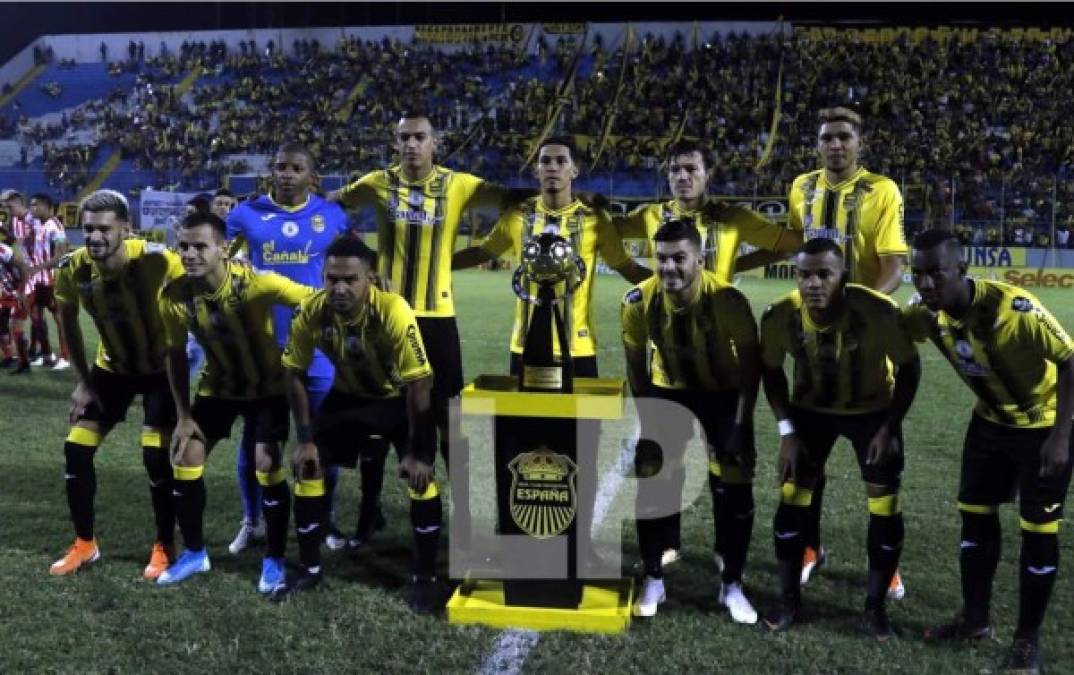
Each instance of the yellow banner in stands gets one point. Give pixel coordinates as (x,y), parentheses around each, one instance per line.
(563,28)
(466,33)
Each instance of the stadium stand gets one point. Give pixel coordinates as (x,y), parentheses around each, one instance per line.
(176,120)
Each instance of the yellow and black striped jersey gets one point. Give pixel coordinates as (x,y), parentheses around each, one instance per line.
(843,367)
(696,346)
(720,235)
(1006,349)
(233,323)
(416,227)
(375,353)
(123,303)
(589,232)
(863,213)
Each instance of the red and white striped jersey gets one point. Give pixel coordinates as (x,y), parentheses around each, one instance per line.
(45,236)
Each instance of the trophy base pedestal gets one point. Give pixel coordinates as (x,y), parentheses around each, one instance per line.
(604,607)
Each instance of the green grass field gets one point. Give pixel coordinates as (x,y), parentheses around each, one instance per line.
(107,619)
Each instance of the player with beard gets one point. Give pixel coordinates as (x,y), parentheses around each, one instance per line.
(118,282)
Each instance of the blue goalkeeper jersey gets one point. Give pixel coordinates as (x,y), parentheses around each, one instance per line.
(290,241)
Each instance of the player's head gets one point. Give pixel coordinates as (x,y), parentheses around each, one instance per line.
(223,202)
(689,168)
(349,270)
(105,219)
(938,269)
(202,243)
(294,173)
(41,206)
(821,273)
(416,141)
(678,255)
(839,138)
(199,204)
(556,169)
(15,202)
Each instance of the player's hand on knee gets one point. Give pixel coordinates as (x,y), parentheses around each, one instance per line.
(185,430)
(418,474)
(82,397)
(307,462)
(790,454)
(884,447)
(1054,454)
(740,446)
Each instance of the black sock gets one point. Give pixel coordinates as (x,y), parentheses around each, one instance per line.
(309,509)
(790,542)
(159,469)
(371,464)
(276,505)
(884,544)
(1039,567)
(811,527)
(978,557)
(81,486)
(190,507)
(732,517)
(426,514)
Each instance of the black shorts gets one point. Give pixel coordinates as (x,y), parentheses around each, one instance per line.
(44,297)
(117,392)
(584,366)
(441,338)
(267,416)
(999,462)
(348,425)
(716,413)
(819,431)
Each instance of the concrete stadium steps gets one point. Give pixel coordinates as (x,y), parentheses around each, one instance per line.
(84,82)
(102,174)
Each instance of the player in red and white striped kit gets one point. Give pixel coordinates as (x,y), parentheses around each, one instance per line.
(49,245)
(18,236)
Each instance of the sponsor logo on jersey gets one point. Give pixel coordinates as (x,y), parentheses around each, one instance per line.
(415,344)
(317,223)
(289,228)
(270,256)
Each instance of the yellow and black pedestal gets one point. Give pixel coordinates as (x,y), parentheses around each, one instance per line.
(537,465)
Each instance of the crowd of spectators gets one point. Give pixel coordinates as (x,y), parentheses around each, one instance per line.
(969,128)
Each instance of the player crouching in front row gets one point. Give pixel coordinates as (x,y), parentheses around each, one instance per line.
(704,358)
(381,393)
(228,308)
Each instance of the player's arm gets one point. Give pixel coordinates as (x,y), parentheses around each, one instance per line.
(84,392)
(890,274)
(1040,331)
(493,195)
(1055,451)
(635,341)
(498,242)
(24,272)
(772,239)
(743,329)
(632,225)
(177,367)
(305,461)
(417,464)
(777,391)
(890,239)
(362,192)
(761,257)
(615,254)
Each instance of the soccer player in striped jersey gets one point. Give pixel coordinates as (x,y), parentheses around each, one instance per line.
(863,212)
(50,244)
(13,275)
(705,358)
(557,209)
(381,394)
(843,339)
(118,282)
(229,308)
(286,232)
(1019,362)
(723,226)
(418,206)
